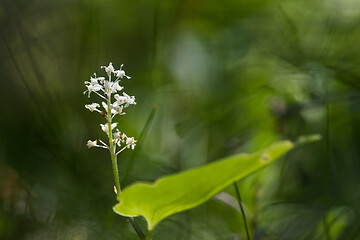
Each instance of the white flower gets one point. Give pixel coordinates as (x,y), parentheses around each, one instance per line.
(105,106)
(93,85)
(92,107)
(107,85)
(123,136)
(130,142)
(93,88)
(125,99)
(116,108)
(105,127)
(117,137)
(91,144)
(129,100)
(117,134)
(116,87)
(109,69)
(94,80)
(121,73)
(120,99)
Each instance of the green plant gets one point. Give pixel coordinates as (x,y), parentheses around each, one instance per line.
(107,89)
(177,192)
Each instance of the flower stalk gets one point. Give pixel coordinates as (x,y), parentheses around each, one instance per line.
(104,88)
(112,150)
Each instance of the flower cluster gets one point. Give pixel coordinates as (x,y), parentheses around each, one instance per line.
(107,89)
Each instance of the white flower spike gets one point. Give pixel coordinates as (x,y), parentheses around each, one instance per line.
(113,103)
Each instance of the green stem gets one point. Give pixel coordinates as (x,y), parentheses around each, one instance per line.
(112,150)
(149,235)
(137,228)
(242,210)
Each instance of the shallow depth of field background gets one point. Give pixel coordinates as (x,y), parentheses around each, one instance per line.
(226,76)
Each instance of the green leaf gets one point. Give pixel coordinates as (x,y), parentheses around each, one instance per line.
(334,223)
(185,190)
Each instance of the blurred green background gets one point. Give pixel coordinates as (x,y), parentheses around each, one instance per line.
(226,76)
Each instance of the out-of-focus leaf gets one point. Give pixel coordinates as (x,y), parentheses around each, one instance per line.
(226,213)
(337,219)
(185,190)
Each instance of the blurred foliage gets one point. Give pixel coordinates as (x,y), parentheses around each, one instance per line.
(227,76)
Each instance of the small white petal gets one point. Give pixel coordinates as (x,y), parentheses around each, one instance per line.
(93,81)
(120,73)
(130,142)
(117,87)
(92,107)
(107,85)
(91,144)
(105,106)
(129,100)
(117,135)
(105,128)
(124,136)
(113,125)
(109,69)
(93,88)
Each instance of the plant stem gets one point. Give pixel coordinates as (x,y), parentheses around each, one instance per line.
(149,235)
(112,149)
(137,228)
(115,166)
(242,210)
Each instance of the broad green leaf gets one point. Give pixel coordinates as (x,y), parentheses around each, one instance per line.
(185,190)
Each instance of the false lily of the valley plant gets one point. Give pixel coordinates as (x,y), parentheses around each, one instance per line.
(113,101)
(107,89)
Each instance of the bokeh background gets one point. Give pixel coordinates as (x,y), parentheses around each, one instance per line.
(219,77)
